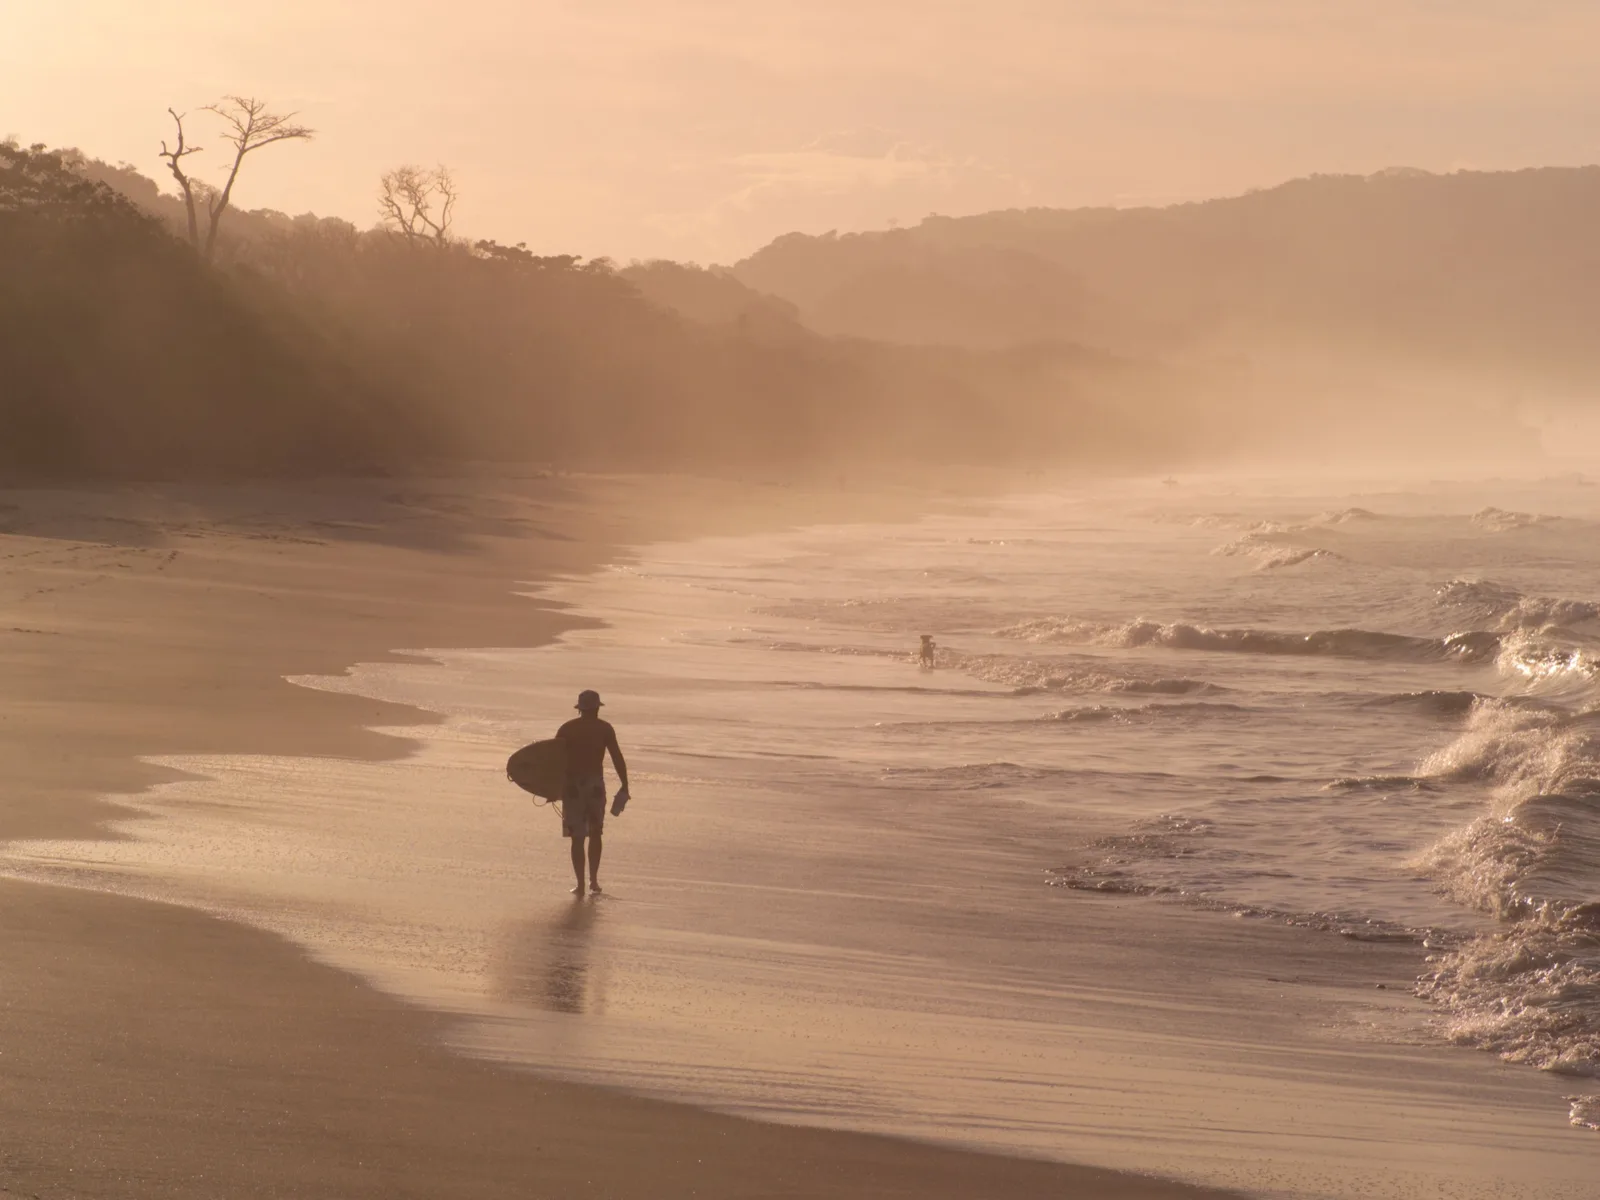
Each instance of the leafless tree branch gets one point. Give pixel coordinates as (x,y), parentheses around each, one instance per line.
(248,125)
(175,157)
(418,204)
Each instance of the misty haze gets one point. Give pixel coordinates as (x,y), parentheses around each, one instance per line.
(693,599)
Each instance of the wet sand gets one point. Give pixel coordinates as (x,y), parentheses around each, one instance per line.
(147,1049)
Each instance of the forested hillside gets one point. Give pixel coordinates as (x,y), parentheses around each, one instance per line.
(1401,310)
(308,345)
(122,353)
(1495,275)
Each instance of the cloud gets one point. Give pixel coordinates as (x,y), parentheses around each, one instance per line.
(842,161)
(867,142)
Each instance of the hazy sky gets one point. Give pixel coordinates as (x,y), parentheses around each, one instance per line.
(702,128)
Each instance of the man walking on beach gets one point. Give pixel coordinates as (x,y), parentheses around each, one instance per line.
(583,803)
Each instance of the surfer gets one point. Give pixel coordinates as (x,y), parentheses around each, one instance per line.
(926,653)
(583,803)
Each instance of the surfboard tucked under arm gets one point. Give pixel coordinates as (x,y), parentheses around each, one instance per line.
(540,768)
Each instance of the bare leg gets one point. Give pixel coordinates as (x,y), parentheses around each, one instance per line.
(577,865)
(594,862)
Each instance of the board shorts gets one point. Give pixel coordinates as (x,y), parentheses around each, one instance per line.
(583,807)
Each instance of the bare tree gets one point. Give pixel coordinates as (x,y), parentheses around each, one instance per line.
(175,157)
(247,125)
(419,204)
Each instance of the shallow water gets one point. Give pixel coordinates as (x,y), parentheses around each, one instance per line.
(1192,766)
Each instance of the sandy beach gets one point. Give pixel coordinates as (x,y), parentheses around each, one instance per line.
(310,943)
(152,1050)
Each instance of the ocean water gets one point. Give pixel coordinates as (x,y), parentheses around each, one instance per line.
(1189,760)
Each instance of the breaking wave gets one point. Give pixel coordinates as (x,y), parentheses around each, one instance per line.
(1380,783)
(1530,991)
(1506,609)
(1120,714)
(1524,751)
(1499,520)
(1345,515)
(1585,1111)
(1162,687)
(1472,646)
(1539,661)
(1269,554)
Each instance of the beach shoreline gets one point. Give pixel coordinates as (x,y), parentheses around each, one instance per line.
(151,1049)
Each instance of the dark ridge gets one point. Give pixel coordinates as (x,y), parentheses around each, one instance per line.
(312,346)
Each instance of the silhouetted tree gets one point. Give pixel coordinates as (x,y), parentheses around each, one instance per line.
(37,181)
(121,353)
(418,204)
(520,256)
(248,125)
(186,185)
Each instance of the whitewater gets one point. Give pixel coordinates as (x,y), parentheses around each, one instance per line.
(1234,824)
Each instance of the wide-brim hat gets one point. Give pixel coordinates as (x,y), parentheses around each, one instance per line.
(588,699)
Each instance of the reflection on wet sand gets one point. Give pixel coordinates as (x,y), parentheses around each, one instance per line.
(546,964)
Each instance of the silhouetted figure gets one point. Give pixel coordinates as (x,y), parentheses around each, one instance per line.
(926,653)
(583,803)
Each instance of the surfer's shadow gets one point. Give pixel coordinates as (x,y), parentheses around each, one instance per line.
(547,962)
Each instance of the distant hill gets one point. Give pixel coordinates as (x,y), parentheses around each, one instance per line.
(710,296)
(1490,274)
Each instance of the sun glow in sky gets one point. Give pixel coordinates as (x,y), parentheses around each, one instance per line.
(700,129)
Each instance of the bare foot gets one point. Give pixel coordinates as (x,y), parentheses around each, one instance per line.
(594,885)
(577,889)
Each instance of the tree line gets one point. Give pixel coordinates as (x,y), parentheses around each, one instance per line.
(144,334)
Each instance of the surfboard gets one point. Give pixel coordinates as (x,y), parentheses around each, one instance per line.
(540,768)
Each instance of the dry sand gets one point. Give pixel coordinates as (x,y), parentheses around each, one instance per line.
(151,1050)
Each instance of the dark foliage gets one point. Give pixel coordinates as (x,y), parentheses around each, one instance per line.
(317,347)
(120,354)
